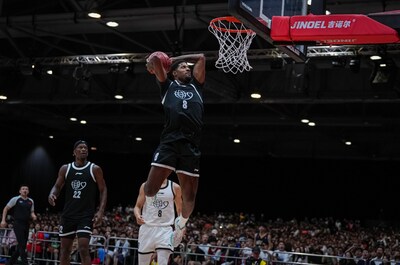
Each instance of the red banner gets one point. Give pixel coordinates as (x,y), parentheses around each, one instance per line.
(332,30)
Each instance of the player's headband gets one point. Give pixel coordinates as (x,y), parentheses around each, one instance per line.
(80,142)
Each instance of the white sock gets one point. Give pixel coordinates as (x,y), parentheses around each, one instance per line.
(182,222)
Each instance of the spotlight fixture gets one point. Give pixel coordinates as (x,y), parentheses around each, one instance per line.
(82,77)
(130,69)
(94,14)
(112,24)
(26,69)
(37,71)
(81,72)
(339,62)
(113,69)
(384,74)
(375,57)
(92,8)
(311,124)
(34,70)
(354,65)
(255,93)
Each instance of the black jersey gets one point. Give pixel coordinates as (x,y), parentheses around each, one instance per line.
(183,108)
(22,208)
(80,192)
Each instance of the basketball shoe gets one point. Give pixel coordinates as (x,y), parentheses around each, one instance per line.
(179,232)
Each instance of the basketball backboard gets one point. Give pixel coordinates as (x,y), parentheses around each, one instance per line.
(257,15)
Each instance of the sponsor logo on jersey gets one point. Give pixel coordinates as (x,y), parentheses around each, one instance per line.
(78,185)
(183,94)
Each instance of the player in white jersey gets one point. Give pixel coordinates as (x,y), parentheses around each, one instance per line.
(156,216)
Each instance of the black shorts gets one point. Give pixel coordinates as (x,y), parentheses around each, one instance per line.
(179,156)
(80,227)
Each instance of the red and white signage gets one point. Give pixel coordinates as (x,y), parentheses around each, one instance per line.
(332,29)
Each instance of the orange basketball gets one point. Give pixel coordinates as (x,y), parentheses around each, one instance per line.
(165,60)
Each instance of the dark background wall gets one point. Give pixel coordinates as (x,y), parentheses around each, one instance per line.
(276,187)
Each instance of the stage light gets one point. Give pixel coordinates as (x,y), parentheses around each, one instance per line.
(93,9)
(112,24)
(78,72)
(26,69)
(375,57)
(83,77)
(130,69)
(34,70)
(384,74)
(37,71)
(113,69)
(339,62)
(255,95)
(354,65)
(94,14)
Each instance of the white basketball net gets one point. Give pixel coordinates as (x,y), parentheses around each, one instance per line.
(234,40)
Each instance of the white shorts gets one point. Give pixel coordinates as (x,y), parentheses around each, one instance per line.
(152,238)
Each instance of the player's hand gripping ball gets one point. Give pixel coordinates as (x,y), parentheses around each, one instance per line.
(165,61)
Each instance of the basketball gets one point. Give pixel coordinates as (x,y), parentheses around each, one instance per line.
(165,60)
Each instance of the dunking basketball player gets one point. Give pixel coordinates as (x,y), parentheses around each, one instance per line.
(181,97)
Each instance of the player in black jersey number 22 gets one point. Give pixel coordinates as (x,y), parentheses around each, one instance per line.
(82,179)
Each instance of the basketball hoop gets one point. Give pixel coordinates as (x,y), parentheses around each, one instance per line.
(234,40)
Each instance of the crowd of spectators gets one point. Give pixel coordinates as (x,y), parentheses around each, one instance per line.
(240,238)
